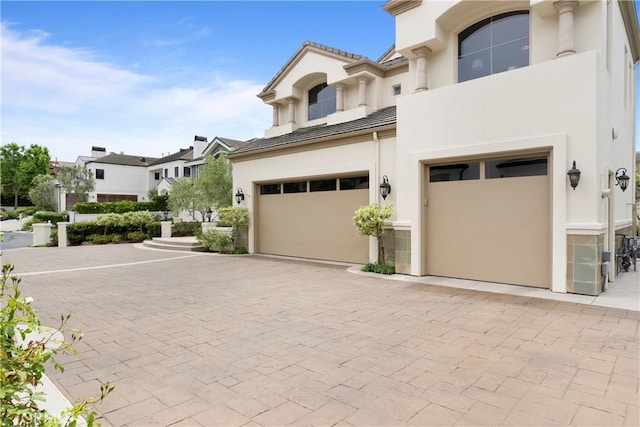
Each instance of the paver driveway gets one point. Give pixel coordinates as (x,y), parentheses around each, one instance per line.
(212,340)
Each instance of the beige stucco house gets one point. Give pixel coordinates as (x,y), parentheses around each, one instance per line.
(475,117)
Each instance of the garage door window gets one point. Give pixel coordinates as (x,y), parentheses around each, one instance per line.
(295,187)
(354,183)
(269,189)
(323,185)
(454,172)
(514,167)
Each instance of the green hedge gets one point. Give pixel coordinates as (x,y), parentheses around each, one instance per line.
(157,204)
(54,217)
(82,232)
(188,228)
(24,211)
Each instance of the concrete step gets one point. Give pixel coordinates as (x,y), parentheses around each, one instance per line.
(175,244)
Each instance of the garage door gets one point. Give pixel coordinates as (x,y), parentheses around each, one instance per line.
(489,220)
(313,218)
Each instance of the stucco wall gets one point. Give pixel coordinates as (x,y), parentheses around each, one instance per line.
(120,179)
(361,156)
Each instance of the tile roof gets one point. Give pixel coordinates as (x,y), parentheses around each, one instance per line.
(183,154)
(234,143)
(382,117)
(123,159)
(318,46)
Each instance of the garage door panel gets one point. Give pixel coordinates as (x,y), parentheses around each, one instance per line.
(314,225)
(490,229)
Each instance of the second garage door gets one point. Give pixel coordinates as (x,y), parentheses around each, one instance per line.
(313,218)
(489,220)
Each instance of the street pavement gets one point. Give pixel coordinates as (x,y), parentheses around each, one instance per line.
(203,339)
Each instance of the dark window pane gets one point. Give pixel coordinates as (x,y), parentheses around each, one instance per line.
(322,101)
(176,171)
(323,185)
(475,38)
(474,66)
(99,173)
(509,168)
(454,172)
(156,176)
(494,45)
(270,189)
(511,56)
(295,187)
(187,171)
(354,183)
(506,28)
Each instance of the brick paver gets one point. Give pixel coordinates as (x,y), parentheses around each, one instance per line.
(202,339)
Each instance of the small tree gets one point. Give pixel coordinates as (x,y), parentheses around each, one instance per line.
(43,192)
(236,216)
(185,195)
(369,220)
(214,182)
(77,180)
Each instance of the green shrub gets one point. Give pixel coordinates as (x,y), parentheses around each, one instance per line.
(53,241)
(188,228)
(136,236)
(115,238)
(24,360)
(153,229)
(98,239)
(240,250)
(14,214)
(27,225)
(215,240)
(374,267)
(158,203)
(78,232)
(46,216)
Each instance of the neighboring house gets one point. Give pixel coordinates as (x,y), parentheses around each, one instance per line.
(474,117)
(214,148)
(119,177)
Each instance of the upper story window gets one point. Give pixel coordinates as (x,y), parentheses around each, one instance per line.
(99,173)
(493,45)
(322,101)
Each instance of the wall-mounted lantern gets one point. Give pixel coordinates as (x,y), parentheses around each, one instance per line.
(239,196)
(385,187)
(622,179)
(574,175)
(209,212)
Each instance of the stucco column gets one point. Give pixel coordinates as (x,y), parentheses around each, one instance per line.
(276,121)
(565,27)
(63,239)
(421,67)
(292,110)
(339,97)
(362,91)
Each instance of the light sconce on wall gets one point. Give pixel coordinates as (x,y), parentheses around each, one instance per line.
(574,176)
(385,187)
(622,179)
(239,196)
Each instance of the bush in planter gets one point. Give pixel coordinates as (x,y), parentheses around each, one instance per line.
(188,228)
(236,216)
(374,267)
(212,240)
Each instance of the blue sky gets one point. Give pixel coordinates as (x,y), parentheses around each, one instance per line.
(144,77)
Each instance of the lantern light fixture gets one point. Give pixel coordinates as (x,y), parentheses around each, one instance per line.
(622,179)
(574,176)
(385,187)
(239,195)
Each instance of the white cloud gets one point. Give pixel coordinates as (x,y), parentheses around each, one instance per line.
(68,100)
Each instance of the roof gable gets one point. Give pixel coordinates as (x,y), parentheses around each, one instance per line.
(269,90)
(183,154)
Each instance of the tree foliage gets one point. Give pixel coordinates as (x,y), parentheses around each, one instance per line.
(185,196)
(210,190)
(77,180)
(20,166)
(214,182)
(369,221)
(43,192)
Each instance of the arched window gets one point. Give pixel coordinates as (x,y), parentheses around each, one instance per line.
(494,45)
(322,101)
